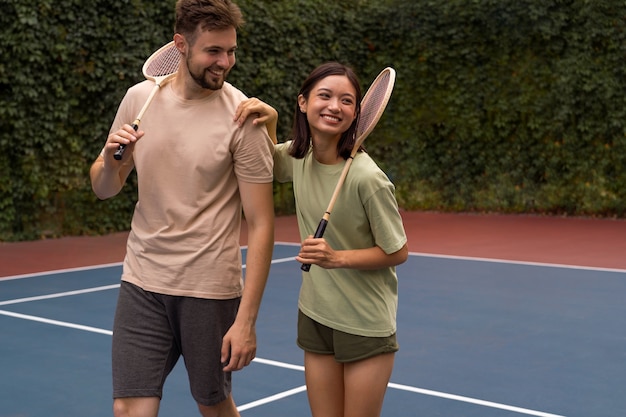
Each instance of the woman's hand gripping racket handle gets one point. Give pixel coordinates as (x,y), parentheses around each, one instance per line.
(321,228)
(160,67)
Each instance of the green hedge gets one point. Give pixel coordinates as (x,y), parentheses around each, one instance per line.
(506,106)
(511,106)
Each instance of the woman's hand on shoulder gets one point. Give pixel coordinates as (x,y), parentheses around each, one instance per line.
(254,107)
(262,112)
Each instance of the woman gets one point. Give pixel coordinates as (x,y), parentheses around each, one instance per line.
(348,299)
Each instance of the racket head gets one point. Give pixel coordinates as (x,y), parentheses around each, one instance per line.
(373,104)
(162,64)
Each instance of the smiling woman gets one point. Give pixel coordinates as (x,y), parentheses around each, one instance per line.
(330,108)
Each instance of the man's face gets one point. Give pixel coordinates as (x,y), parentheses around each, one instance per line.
(211,57)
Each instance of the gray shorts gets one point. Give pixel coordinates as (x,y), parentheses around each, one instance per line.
(151,331)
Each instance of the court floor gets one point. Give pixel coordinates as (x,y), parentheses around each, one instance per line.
(478,337)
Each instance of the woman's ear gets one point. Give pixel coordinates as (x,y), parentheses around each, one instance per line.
(302,103)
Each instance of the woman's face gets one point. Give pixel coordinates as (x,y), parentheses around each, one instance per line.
(330,107)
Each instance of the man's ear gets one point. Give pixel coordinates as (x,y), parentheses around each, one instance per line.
(181,43)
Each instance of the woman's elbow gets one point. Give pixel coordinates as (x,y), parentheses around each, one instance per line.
(403,254)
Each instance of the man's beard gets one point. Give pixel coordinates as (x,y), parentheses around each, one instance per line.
(207,80)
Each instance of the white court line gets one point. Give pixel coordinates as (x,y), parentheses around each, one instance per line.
(282,260)
(59,271)
(279,364)
(55,322)
(88,268)
(509,261)
(471,400)
(271,398)
(60,294)
(298,368)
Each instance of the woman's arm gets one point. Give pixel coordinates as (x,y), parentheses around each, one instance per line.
(318,252)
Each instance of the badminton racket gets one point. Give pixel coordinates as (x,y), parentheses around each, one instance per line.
(372,108)
(160,67)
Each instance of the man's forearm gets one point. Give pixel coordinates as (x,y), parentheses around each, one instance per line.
(258,261)
(106,181)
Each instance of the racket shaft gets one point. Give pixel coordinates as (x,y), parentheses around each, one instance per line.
(321,228)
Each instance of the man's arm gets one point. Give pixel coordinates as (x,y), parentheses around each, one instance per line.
(239,345)
(107,174)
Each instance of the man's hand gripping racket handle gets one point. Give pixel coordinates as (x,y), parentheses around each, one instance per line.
(120,151)
(321,227)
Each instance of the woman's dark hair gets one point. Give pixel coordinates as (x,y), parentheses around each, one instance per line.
(301,132)
(194,15)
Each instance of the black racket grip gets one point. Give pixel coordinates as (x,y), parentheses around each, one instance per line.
(318,233)
(120,151)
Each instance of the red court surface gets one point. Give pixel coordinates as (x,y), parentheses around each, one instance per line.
(543,239)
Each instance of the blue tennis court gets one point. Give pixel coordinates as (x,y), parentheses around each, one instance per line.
(478,337)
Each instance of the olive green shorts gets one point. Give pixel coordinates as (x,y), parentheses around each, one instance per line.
(316,338)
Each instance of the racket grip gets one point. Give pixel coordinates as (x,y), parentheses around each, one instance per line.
(321,228)
(120,151)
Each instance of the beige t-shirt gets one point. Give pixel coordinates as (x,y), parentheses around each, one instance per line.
(185,230)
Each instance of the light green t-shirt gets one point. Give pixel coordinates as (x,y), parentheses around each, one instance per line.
(364,215)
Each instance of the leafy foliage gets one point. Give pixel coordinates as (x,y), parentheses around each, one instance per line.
(509,106)
(70,64)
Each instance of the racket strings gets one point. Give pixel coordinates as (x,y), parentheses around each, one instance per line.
(375,99)
(164,63)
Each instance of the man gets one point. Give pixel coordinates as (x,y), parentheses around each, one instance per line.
(182,288)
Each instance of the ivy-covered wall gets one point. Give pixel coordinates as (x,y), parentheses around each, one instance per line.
(511,106)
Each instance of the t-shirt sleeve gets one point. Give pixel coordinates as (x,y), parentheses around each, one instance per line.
(283,162)
(382,211)
(252,154)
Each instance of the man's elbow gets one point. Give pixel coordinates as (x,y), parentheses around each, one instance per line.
(101,196)
(102,192)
